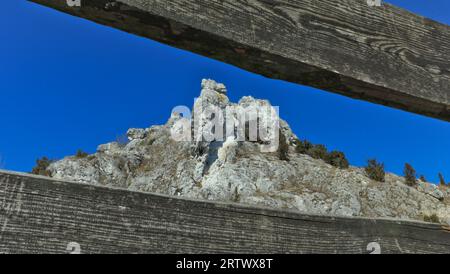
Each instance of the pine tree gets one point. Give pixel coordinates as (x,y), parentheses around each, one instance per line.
(441,179)
(410,175)
(375,170)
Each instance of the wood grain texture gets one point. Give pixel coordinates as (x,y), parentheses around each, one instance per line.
(382,54)
(40,215)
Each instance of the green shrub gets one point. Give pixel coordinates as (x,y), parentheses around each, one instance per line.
(431,218)
(81,154)
(441,179)
(375,170)
(337,159)
(410,175)
(302,147)
(41,167)
(318,152)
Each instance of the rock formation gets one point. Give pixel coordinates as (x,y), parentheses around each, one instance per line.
(245,170)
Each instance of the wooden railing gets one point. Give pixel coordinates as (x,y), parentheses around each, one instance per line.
(379,54)
(42,215)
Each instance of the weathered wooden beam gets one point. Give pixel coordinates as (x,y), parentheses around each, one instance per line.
(381,54)
(41,215)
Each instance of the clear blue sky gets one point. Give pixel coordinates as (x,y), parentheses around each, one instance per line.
(68,84)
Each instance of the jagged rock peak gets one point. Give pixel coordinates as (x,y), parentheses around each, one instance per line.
(231,169)
(208,84)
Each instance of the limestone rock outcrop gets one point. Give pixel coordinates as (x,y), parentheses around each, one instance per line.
(187,159)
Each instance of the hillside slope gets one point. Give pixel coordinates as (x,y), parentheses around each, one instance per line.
(243,171)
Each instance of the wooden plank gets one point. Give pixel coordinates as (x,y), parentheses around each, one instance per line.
(382,54)
(41,215)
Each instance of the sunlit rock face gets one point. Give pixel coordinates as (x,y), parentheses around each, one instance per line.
(187,158)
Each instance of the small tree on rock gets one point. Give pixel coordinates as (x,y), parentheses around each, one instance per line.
(375,170)
(41,167)
(441,179)
(318,152)
(337,159)
(433,218)
(81,154)
(410,175)
(302,147)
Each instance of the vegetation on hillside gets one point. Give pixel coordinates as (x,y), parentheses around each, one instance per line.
(81,154)
(410,175)
(41,167)
(375,170)
(334,158)
(442,180)
(433,218)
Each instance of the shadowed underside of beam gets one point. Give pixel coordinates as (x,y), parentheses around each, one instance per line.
(41,215)
(382,54)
